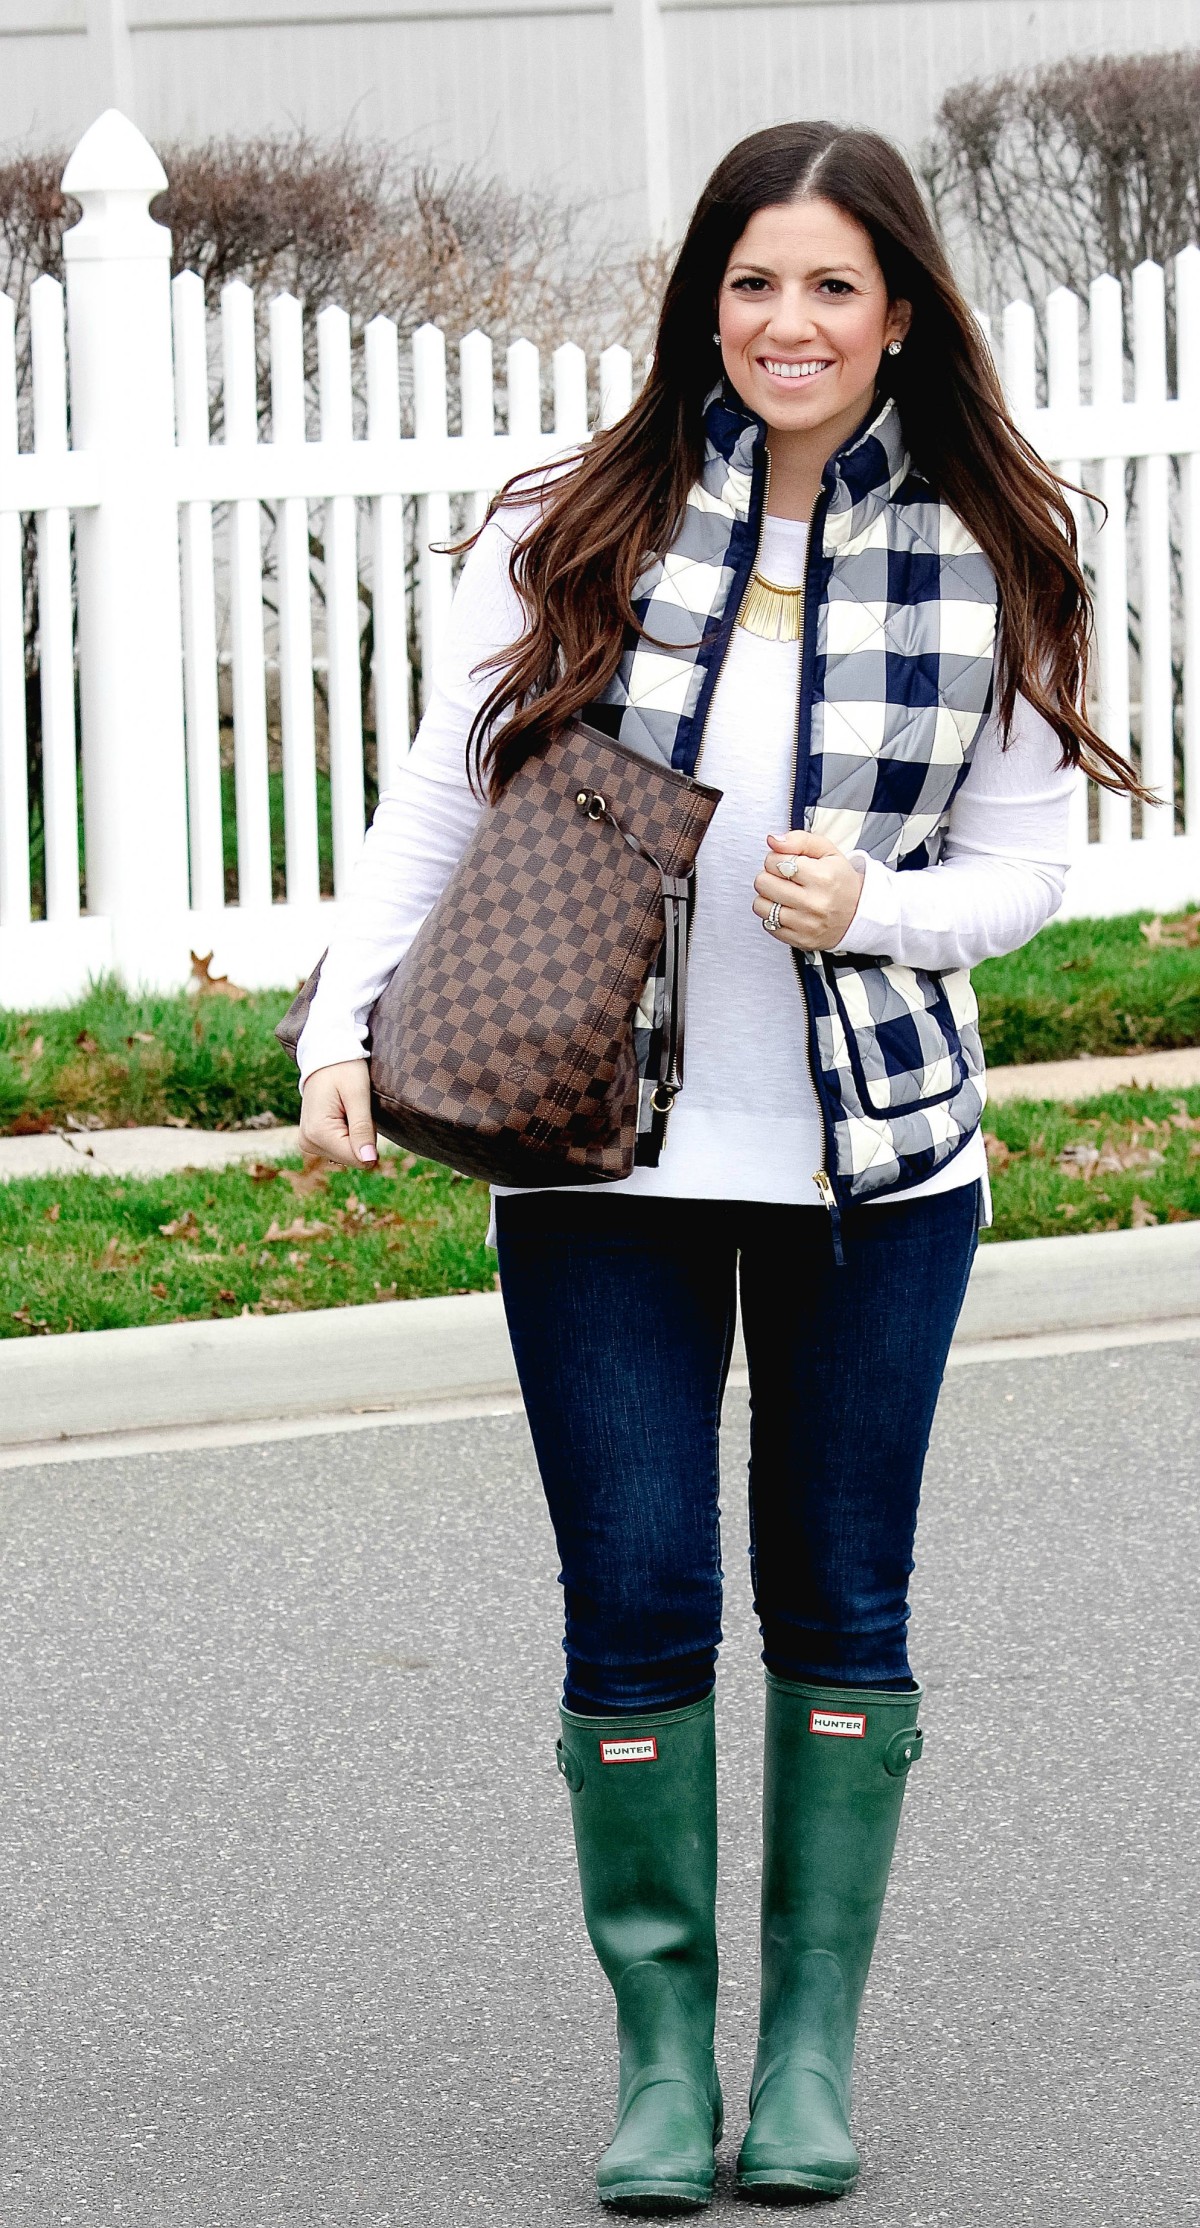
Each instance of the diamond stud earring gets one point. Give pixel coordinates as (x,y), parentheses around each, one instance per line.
(716,340)
(893,347)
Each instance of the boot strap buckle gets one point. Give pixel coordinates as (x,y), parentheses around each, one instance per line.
(902,1750)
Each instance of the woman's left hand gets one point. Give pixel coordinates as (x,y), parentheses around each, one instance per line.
(817,895)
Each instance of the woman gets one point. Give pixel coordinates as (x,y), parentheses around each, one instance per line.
(817,557)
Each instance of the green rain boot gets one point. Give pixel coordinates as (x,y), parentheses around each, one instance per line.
(833,1782)
(643,1802)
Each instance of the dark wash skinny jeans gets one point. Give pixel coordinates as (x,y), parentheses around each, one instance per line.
(622,1314)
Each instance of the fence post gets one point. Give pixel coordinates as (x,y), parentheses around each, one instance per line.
(127,553)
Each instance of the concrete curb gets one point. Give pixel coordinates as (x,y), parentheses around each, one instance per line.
(415,1352)
(252,1367)
(1028,1287)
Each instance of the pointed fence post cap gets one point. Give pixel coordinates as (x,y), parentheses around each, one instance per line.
(113,157)
(115,173)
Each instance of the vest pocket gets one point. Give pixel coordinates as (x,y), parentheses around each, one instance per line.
(903,1030)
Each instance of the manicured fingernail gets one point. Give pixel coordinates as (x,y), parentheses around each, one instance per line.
(367,1152)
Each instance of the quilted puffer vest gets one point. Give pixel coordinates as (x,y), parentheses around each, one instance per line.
(896,682)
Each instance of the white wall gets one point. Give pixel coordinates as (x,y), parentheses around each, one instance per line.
(541,91)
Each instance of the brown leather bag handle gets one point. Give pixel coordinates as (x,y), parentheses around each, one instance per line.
(676,894)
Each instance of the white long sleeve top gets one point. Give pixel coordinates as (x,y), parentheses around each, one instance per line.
(747,1124)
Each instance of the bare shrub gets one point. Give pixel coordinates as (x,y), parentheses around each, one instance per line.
(1047,177)
(357,224)
(1051,176)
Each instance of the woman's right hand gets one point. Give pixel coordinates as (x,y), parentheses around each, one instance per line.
(335,1115)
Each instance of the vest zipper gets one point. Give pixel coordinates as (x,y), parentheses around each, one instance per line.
(660,1115)
(826,1188)
(829,1202)
(821,1178)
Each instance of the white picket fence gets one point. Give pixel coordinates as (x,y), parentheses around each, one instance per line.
(135,641)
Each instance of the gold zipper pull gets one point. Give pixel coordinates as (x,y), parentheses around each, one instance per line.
(825,1188)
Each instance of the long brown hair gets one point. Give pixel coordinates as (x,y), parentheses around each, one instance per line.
(603,514)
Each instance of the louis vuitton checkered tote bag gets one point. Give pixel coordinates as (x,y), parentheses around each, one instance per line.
(503,1044)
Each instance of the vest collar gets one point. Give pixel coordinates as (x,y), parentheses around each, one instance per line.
(865,472)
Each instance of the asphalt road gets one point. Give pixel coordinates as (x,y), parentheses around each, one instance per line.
(290,1930)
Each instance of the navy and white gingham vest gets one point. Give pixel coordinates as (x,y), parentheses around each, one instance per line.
(896,683)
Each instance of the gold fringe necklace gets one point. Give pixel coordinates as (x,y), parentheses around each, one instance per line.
(775,613)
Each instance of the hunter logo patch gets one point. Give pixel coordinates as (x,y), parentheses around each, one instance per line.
(644,1751)
(849,1725)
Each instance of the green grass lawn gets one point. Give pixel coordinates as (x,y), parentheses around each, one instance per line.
(1089,986)
(209,1061)
(90,1253)
(95,1252)
(1110,1163)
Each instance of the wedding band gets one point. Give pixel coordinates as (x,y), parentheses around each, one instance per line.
(789,868)
(771,921)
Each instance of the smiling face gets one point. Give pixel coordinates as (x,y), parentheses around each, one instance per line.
(804,319)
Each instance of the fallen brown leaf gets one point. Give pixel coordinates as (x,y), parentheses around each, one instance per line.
(1115,1159)
(296,1229)
(228,1297)
(31,1321)
(141,1036)
(355,1211)
(1079,1159)
(1141,1216)
(158,1291)
(998,1153)
(85,1042)
(262,1172)
(53,1213)
(203,980)
(1185,932)
(184,1226)
(314,1176)
(1068,1210)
